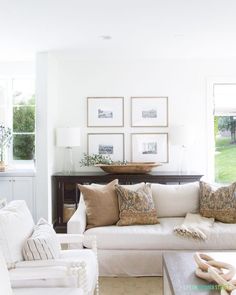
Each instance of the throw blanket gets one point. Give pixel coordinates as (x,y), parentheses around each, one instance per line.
(193,226)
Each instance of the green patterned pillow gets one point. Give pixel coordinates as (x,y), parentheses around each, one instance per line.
(219,203)
(136,207)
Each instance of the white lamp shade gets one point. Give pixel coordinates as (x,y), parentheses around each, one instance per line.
(181,135)
(68,137)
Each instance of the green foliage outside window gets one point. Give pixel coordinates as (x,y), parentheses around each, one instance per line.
(23,119)
(23,146)
(24,122)
(225,153)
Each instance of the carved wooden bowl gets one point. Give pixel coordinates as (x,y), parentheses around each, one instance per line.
(132,167)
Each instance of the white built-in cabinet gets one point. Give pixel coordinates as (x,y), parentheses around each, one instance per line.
(18,188)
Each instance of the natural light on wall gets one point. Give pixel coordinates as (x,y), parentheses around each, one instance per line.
(225,132)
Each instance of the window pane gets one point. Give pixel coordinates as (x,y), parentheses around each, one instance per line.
(3,92)
(225,153)
(2,116)
(23,92)
(23,119)
(23,146)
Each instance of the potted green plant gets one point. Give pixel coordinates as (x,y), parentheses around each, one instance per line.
(94,159)
(5,140)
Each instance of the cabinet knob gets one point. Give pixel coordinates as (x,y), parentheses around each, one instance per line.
(9,180)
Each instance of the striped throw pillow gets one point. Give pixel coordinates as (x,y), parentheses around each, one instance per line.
(42,244)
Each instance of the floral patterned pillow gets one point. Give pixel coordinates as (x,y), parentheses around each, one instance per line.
(219,203)
(136,207)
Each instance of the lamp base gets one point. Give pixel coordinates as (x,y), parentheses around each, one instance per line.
(68,161)
(183,150)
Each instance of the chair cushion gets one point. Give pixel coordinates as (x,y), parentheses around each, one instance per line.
(43,243)
(176,200)
(16,225)
(56,276)
(101,204)
(218,202)
(136,207)
(221,236)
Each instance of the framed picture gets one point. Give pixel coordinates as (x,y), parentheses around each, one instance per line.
(105,111)
(111,144)
(149,111)
(149,147)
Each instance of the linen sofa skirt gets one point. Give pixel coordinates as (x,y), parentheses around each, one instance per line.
(136,263)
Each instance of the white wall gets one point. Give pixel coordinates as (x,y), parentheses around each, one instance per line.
(46,109)
(184,81)
(21,68)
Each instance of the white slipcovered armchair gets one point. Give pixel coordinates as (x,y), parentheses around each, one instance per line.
(5,286)
(74,268)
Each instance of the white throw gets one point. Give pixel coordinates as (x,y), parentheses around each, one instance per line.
(194,226)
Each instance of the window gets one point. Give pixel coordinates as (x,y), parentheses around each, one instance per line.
(225,132)
(17,110)
(3,101)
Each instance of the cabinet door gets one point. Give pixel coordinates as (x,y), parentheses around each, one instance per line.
(23,190)
(6,188)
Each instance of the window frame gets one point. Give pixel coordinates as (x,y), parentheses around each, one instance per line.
(9,121)
(210,122)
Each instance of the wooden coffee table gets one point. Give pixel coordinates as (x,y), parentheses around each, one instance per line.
(179,277)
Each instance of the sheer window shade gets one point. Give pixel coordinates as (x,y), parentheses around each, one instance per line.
(225,99)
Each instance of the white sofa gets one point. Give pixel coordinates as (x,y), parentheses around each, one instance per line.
(137,250)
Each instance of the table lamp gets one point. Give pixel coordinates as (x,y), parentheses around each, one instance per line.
(181,136)
(68,137)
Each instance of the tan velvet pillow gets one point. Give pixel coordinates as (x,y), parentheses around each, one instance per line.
(136,207)
(101,204)
(219,203)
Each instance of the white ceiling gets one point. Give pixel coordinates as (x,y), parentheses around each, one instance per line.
(139,28)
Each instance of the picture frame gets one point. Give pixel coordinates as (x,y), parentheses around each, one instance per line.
(105,111)
(111,144)
(149,111)
(150,147)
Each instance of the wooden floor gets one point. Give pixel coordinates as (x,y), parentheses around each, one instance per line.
(130,286)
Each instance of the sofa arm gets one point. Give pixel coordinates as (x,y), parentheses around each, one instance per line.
(68,239)
(50,269)
(77,223)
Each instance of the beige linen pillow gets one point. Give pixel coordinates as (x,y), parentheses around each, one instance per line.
(136,207)
(101,204)
(176,200)
(219,203)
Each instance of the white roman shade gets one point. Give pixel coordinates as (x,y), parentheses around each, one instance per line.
(225,99)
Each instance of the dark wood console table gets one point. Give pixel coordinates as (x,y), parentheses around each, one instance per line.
(66,194)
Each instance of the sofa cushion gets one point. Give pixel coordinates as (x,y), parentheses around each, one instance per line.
(136,207)
(161,237)
(176,200)
(101,204)
(218,202)
(16,225)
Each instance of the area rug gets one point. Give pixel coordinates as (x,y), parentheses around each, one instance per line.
(131,286)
